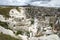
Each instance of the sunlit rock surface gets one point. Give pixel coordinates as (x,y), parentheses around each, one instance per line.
(6,31)
(2,18)
(50,37)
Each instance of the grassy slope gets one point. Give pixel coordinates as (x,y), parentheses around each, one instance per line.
(5,11)
(6,37)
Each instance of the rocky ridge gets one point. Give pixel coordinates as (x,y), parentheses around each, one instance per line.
(32,23)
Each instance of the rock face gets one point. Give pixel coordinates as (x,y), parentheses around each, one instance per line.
(51,37)
(33,23)
(6,31)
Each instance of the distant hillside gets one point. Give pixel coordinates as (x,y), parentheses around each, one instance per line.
(47,11)
(32,10)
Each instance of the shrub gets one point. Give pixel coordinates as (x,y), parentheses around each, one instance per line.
(4,24)
(19,32)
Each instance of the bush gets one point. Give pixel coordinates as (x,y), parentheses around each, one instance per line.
(4,24)
(19,32)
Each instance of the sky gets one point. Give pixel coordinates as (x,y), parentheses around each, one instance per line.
(48,3)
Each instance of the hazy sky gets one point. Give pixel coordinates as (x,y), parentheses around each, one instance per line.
(49,3)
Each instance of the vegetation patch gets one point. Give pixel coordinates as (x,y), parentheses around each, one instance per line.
(6,37)
(5,12)
(19,32)
(4,24)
